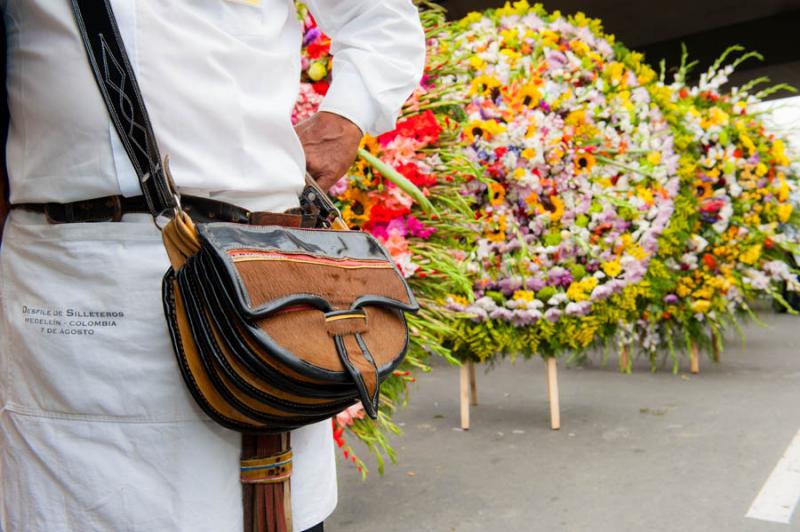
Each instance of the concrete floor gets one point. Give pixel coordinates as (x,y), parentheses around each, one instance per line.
(650,452)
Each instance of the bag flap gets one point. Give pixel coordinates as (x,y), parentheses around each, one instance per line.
(275,267)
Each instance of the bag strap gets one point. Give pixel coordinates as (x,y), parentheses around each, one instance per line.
(120,90)
(266,459)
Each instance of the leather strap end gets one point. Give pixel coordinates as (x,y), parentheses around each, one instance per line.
(273,469)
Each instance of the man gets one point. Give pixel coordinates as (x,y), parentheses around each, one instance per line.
(97,431)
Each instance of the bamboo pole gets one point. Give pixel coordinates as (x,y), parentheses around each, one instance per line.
(552,393)
(473,384)
(694,358)
(464,395)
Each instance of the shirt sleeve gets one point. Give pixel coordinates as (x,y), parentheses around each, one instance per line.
(379,56)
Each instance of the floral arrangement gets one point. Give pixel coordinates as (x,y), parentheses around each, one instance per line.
(563,195)
(419,232)
(730,245)
(577,182)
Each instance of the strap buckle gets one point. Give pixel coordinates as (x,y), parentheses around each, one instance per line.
(173,191)
(316,203)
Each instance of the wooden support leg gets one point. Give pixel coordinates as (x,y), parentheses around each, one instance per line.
(625,359)
(473,384)
(716,345)
(464,396)
(694,358)
(552,393)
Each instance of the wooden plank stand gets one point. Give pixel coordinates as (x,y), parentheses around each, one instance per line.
(469,392)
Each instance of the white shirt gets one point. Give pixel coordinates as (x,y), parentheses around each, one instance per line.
(97,431)
(219,78)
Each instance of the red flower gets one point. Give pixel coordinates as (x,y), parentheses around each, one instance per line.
(319,48)
(423,128)
(321,87)
(712,206)
(381,214)
(412,173)
(710,261)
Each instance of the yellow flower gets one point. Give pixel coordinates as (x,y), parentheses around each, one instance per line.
(459,300)
(579,47)
(645,195)
(529,96)
(783,188)
(584,162)
(484,85)
(612,268)
(317,71)
(716,117)
(524,295)
(485,129)
(683,290)
(638,252)
(747,142)
(558,208)
(497,194)
(576,293)
(522,7)
(476,62)
(778,151)
(701,307)
(616,71)
(751,255)
(581,290)
(528,153)
(784,212)
(654,157)
(549,37)
(472,17)
(761,170)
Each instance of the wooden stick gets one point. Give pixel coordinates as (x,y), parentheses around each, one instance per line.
(473,384)
(716,345)
(464,397)
(552,393)
(625,358)
(694,358)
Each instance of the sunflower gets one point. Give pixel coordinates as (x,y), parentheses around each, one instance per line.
(485,129)
(528,96)
(484,85)
(584,162)
(704,190)
(497,194)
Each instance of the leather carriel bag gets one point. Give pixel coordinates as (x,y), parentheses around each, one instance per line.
(274,327)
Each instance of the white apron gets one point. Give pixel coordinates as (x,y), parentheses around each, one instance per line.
(97,431)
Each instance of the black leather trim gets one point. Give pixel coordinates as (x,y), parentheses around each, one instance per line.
(201,332)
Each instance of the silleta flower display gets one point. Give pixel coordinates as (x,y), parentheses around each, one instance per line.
(547,192)
(579,175)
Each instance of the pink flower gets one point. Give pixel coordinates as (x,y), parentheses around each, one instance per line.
(347,417)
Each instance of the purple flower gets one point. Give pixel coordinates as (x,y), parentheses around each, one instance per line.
(552,315)
(670,299)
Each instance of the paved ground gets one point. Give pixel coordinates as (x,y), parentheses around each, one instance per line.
(650,452)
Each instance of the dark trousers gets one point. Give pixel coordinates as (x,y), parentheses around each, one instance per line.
(317,528)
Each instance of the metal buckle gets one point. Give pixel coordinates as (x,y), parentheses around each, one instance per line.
(173,190)
(316,202)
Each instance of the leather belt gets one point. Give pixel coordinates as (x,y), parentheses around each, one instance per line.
(113,208)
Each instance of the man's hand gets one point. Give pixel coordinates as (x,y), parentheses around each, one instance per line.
(330,143)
